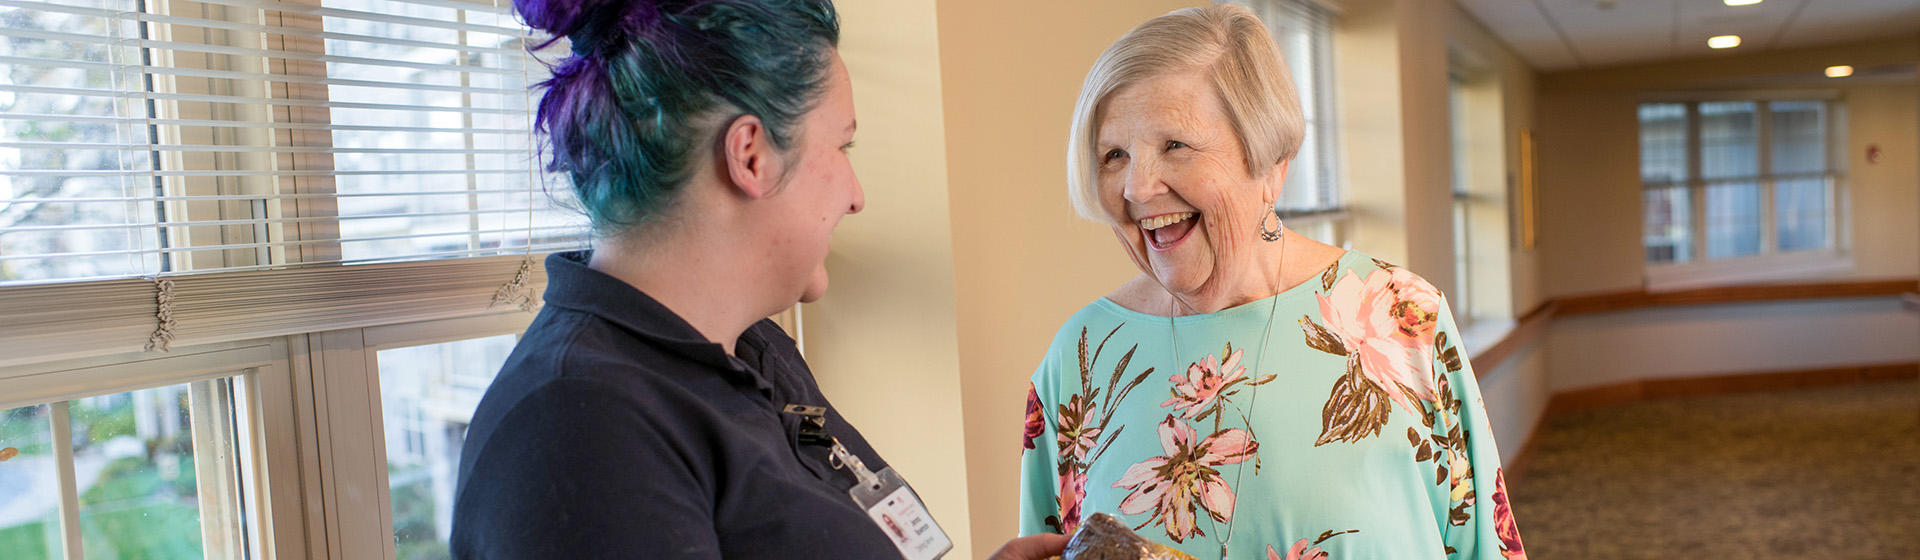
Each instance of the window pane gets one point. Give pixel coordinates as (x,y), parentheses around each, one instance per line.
(1733,220)
(1799,137)
(1663,142)
(141,489)
(1668,225)
(428,394)
(478,126)
(1729,141)
(1800,210)
(29,485)
(1462,260)
(63,213)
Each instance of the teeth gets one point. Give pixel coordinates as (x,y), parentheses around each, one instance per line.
(1158,222)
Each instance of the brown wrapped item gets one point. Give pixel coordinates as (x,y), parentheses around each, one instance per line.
(1101,537)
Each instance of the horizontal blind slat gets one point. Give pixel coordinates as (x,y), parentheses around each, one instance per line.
(16,88)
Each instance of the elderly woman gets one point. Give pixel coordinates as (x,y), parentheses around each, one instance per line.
(1251,394)
(651,411)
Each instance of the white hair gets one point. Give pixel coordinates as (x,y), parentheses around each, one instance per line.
(1239,58)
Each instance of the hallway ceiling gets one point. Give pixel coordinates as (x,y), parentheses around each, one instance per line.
(1555,35)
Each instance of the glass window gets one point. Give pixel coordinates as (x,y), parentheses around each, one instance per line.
(1311,196)
(29,485)
(1736,179)
(1668,224)
(1663,143)
(155,475)
(428,394)
(1461,299)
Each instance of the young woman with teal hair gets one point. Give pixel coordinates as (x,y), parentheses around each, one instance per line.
(651,411)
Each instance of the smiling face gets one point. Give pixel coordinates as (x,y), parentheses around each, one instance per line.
(1173,177)
(820,190)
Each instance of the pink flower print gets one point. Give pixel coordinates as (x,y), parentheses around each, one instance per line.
(1073,490)
(1194,392)
(1076,434)
(1503,525)
(1176,485)
(1299,551)
(1036,420)
(1416,309)
(1361,314)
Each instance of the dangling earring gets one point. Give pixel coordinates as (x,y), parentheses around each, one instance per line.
(1273,235)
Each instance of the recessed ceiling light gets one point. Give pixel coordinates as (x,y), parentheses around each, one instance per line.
(1839,71)
(1724,42)
(1742,2)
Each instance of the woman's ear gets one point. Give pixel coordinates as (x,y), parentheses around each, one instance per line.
(752,163)
(1275,180)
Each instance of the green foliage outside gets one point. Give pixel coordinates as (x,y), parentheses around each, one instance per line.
(131,512)
(413,531)
(30,541)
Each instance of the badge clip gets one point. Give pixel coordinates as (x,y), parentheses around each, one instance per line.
(813,424)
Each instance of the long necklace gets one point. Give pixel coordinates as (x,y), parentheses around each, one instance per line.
(1253,399)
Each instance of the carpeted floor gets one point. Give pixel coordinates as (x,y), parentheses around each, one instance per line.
(1816,473)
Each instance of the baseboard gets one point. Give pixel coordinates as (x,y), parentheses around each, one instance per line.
(1568,402)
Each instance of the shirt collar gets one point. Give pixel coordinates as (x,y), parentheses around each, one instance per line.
(571,284)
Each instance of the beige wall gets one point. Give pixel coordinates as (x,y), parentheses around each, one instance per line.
(1590,224)
(1589,161)
(1886,195)
(1011,70)
(882,341)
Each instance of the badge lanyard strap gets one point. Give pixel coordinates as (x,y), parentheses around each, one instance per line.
(1266,339)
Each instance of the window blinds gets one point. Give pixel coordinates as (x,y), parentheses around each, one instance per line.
(176,172)
(161,137)
(1303,29)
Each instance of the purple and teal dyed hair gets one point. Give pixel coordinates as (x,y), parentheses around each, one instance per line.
(627,113)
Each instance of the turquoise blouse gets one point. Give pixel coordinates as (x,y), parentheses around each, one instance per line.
(1338,419)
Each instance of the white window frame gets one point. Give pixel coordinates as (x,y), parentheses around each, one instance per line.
(263,401)
(309,404)
(354,503)
(1770,265)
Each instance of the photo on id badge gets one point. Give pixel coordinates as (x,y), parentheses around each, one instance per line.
(906,521)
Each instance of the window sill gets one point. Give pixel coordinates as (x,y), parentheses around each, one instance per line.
(1752,270)
(1484,333)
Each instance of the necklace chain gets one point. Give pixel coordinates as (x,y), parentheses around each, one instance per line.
(1266,340)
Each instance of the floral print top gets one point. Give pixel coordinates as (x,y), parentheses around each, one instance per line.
(1352,429)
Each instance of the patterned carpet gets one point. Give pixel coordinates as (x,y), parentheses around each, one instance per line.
(1816,473)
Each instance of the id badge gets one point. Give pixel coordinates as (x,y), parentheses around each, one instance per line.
(896,509)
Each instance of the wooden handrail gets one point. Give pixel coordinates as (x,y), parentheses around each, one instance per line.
(1534,323)
(1621,301)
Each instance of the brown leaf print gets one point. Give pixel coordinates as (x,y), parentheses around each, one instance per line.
(1356,409)
(1332,273)
(9,453)
(1449,354)
(1319,338)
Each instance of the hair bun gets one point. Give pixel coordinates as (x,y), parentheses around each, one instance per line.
(587,19)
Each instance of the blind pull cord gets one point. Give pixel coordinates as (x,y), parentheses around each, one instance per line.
(162,336)
(515,291)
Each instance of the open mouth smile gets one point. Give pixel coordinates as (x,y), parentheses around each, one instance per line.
(1166,231)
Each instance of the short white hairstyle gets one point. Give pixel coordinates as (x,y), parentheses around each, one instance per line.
(1238,56)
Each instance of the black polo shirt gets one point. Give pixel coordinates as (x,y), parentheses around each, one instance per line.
(615,430)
